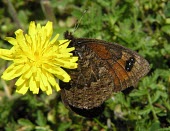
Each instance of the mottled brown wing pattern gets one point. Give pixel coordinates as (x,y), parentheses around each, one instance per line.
(89,81)
(103,68)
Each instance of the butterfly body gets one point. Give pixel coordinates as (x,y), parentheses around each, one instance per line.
(103,68)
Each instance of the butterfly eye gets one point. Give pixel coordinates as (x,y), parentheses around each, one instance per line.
(129,64)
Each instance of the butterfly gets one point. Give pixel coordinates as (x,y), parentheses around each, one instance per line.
(103,68)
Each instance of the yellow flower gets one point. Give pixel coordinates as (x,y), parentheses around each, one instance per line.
(37,60)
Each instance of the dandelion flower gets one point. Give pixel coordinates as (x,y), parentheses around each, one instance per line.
(38,59)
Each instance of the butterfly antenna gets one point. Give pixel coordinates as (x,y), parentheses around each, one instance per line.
(79,21)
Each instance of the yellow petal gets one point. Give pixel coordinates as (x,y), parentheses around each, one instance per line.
(49,29)
(54,39)
(22,89)
(11,40)
(57,85)
(64,44)
(32,29)
(51,79)
(21,40)
(32,84)
(20,81)
(6,54)
(42,86)
(49,92)
(12,71)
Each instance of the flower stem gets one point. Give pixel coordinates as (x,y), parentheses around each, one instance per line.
(6,88)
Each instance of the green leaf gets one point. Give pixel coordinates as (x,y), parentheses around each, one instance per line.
(155,126)
(146,110)
(64,126)
(138,93)
(26,124)
(166,29)
(41,121)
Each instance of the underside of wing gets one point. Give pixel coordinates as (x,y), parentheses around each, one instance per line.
(103,68)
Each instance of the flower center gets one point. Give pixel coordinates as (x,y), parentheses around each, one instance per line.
(37,59)
(37,56)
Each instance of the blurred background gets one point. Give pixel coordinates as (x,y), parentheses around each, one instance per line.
(141,25)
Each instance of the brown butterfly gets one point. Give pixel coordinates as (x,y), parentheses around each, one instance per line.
(103,68)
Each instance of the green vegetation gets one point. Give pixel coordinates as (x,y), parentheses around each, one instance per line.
(141,25)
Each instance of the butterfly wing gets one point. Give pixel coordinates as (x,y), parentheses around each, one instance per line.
(103,68)
(124,65)
(91,83)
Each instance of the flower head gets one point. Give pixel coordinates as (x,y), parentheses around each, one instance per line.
(37,59)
